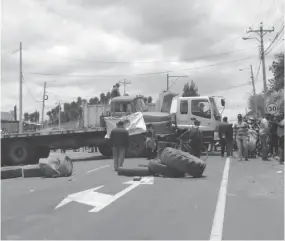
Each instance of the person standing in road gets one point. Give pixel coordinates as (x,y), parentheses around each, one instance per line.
(280,133)
(150,142)
(120,141)
(226,137)
(240,133)
(273,127)
(263,133)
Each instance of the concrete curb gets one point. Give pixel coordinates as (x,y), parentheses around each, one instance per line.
(21,171)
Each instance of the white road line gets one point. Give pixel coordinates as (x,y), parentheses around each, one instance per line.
(218,222)
(98,168)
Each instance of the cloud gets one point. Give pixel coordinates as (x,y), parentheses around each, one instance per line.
(79,41)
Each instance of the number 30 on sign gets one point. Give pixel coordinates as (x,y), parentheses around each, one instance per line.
(271,109)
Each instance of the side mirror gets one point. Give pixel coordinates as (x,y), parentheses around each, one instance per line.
(193,118)
(223,103)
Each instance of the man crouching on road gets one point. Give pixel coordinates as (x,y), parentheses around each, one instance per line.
(194,137)
(120,140)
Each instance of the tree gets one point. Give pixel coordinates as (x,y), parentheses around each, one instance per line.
(102,98)
(190,89)
(115,92)
(94,101)
(149,99)
(259,98)
(26,116)
(277,68)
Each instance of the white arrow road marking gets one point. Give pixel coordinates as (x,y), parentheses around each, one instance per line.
(100,200)
(96,169)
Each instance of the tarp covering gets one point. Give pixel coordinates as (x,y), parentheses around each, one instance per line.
(134,123)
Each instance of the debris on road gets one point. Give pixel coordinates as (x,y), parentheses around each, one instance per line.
(11,172)
(176,160)
(134,172)
(59,166)
(32,171)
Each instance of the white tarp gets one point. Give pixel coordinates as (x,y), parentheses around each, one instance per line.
(134,123)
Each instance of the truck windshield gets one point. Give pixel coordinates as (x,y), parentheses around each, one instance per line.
(215,109)
(121,107)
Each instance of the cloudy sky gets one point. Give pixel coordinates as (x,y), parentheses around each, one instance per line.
(83,47)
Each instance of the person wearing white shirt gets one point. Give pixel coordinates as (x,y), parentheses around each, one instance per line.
(264,132)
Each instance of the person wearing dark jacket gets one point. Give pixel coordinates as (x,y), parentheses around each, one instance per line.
(194,137)
(120,141)
(226,137)
(273,127)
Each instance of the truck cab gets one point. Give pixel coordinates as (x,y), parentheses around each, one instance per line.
(201,108)
(125,105)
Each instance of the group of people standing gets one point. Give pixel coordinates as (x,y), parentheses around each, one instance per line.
(270,134)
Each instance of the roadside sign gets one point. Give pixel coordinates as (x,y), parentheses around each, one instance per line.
(271,108)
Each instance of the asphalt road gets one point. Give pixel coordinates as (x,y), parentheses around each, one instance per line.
(246,204)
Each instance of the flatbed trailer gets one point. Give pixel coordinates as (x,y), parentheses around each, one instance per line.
(28,148)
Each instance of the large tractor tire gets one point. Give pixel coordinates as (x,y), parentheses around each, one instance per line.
(156,167)
(136,146)
(21,153)
(183,162)
(106,149)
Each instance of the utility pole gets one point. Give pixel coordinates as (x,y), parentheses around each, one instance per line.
(44,98)
(125,83)
(261,32)
(21,94)
(59,110)
(168,76)
(254,91)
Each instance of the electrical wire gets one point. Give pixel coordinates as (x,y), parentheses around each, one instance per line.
(257,73)
(275,39)
(141,74)
(276,44)
(162,61)
(30,93)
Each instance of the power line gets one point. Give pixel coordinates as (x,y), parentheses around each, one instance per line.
(275,42)
(30,93)
(159,61)
(275,39)
(141,74)
(257,73)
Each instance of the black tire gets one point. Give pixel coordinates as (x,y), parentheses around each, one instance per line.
(142,172)
(156,167)
(106,149)
(21,153)
(183,162)
(43,152)
(136,146)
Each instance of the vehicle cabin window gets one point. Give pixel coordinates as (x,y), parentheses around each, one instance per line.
(184,107)
(122,107)
(201,108)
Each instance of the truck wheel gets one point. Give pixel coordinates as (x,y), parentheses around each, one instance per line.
(42,152)
(21,153)
(106,150)
(136,146)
